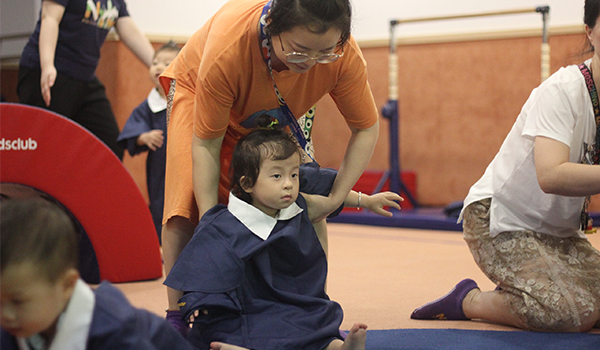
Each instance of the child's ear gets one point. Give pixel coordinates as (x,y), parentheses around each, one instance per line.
(69,280)
(245,184)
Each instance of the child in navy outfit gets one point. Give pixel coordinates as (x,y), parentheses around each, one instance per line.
(45,305)
(146,130)
(253,274)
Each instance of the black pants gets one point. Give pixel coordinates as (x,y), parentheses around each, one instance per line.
(84,102)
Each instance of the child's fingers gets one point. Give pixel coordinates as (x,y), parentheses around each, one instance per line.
(193,316)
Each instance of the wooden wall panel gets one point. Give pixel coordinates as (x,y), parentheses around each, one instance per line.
(458,101)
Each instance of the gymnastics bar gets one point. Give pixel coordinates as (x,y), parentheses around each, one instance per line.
(391,111)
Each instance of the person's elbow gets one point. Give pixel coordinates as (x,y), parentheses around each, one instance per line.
(550,182)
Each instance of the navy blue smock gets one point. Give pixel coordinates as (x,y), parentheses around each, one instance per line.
(259,294)
(142,120)
(116,324)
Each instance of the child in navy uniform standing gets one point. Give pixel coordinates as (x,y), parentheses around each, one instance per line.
(253,274)
(45,305)
(146,130)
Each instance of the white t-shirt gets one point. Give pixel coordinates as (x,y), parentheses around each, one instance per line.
(560,109)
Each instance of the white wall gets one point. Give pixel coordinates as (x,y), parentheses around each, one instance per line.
(17,21)
(371,17)
(181,18)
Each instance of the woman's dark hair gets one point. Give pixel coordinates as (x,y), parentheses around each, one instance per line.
(267,141)
(591,11)
(318,16)
(38,232)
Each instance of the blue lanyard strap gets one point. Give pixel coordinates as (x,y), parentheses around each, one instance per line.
(290,120)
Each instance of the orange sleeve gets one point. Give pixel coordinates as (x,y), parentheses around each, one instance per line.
(352,93)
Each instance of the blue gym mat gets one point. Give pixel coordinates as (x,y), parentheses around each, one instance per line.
(423,218)
(460,339)
(428,218)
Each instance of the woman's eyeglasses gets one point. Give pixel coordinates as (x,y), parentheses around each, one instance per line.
(297,57)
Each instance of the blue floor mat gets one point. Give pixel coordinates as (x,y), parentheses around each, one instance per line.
(427,218)
(422,218)
(460,339)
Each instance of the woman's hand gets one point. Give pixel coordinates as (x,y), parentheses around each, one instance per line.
(47,80)
(378,201)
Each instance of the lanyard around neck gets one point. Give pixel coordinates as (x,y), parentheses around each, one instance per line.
(591,86)
(290,120)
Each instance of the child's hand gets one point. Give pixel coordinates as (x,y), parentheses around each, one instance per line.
(376,202)
(193,316)
(153,139)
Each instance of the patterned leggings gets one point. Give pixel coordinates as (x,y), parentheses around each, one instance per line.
(549,283)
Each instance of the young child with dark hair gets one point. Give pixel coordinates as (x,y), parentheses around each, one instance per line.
(45,305)
(146,130)
(253,274)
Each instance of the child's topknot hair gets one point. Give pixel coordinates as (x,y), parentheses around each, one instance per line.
(266,141)
(169,46)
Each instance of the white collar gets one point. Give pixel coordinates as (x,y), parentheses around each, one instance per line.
(257,221)
(156,102)
(73,325)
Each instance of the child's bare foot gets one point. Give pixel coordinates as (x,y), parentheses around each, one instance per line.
(356,338)
(222,346)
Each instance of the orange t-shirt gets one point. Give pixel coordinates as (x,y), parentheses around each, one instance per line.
(222,68)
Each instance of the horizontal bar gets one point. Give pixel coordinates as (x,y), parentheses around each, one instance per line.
(482,14)
(15,36)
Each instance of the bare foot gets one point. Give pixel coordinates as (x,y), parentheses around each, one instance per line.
(222,346)
(356,338)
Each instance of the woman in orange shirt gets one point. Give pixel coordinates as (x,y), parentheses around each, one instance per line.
(250,58)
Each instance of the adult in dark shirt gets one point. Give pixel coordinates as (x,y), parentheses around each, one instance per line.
(58,64)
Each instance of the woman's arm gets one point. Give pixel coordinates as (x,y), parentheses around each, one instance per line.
(556,175)
(358,154)
(52,14)
(206,172)
(135,40)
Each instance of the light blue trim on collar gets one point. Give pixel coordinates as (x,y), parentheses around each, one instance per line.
(257,221)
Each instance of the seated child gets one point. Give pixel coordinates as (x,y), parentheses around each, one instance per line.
(253,274)
(43,302)
(146,130)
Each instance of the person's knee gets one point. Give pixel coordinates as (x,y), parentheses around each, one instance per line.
(589,321)
(557,318)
